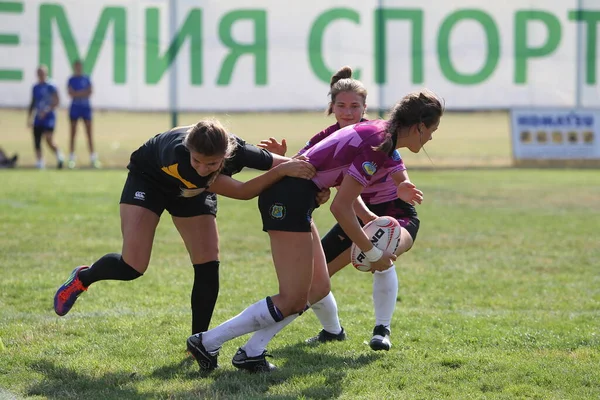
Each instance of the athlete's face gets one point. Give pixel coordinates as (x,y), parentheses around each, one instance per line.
(42,74)
(421,135)
(205,165)
(77,68)
(348,108)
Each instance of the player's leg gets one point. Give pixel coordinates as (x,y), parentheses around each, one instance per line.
(140,211)
(385,288)
(37,144)
(336,247)
(201,238)
(292,256)
(49,136)
(73,118)
(252,355)
(284,208)
(87,121)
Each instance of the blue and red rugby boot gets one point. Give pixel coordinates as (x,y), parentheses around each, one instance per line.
(69,292)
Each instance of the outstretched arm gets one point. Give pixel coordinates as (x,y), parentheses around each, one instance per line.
(229,187)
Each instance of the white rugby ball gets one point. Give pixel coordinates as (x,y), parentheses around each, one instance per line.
(384,233)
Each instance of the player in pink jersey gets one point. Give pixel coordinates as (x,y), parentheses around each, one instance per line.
(351,159)
(385,197)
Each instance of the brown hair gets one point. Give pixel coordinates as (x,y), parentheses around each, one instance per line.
(209,138)
(417,107)
(342,81)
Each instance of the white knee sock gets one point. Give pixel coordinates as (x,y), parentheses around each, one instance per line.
(385,292)
(327,312)
(255,317)
(257,344)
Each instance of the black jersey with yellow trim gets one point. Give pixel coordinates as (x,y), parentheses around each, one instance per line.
(165,160)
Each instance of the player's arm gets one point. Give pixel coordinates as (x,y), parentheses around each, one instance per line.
(229,187)
(342,209)
(88,91)
(85,93)
(55,101)
(277,159)
(72,92)
(362,211)
(271,144)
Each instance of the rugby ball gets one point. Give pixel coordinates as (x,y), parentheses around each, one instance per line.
(384,233)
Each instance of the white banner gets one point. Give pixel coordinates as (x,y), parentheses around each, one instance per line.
(237,55)
(555,134)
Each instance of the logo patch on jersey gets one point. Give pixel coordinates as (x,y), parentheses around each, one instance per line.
(369,168)
(396,156)
(140,196)
(277,211)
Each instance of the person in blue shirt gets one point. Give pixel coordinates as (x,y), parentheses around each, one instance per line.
(44,100)
(80,90)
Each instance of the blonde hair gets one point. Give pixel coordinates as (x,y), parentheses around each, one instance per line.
(342,81)
(209,138)
(417,107)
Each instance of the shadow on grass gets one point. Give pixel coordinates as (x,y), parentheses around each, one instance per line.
(303,365)
(66,383)
(321,373)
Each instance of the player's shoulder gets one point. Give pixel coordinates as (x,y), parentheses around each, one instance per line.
(373,124)
(240,142)
(371,130)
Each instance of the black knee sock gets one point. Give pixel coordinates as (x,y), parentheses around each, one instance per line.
(109,267)
(204,294)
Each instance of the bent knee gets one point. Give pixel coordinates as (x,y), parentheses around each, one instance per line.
(289,305)
(319,290)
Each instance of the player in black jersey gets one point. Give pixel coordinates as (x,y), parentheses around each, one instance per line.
(181,171)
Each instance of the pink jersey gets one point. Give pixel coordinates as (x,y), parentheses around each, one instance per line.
(322,135)
(350,151)
(384,189)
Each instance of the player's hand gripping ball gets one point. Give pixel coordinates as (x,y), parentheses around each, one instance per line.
(384,233)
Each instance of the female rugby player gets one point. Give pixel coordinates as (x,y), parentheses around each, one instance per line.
(181,171)
(350,159)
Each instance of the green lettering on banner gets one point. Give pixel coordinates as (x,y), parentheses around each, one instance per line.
(382,16)
(116,15)
(591,19)
(493,47)
(258,49)
(156,65)
(10,40)
(315,41)
(522,51)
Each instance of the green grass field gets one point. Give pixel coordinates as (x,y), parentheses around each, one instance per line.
(499,298)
